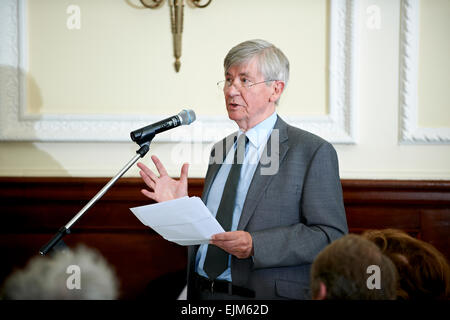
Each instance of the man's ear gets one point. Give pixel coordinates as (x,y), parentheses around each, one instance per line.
(278,87)
(322,294)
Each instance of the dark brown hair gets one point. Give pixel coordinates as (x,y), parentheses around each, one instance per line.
(343,268)
(423,271)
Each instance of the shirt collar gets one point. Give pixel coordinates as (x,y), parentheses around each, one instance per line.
(259,134)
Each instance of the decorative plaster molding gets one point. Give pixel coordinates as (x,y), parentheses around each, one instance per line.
(336,127)
(410,132)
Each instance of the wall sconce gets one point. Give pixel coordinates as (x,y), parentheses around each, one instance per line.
(176,19)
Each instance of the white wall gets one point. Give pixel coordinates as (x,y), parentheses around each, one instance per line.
(121,62)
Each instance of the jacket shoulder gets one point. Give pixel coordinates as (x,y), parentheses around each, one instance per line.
(301,138)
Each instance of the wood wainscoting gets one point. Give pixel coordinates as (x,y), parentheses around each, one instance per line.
(33,209)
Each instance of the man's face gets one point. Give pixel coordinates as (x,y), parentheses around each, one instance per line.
(248,106)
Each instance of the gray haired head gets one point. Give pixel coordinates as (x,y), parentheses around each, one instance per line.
(48,277)
(272,62)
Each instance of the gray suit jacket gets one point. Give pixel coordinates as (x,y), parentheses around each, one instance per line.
(291,215)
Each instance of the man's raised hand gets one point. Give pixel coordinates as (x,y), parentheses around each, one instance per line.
(163,188)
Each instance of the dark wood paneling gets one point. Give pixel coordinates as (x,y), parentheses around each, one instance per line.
(33,209)
(421,208)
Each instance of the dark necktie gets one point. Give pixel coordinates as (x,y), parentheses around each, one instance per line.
(216,261)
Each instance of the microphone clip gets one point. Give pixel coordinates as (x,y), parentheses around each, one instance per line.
(144,147)
(146,141)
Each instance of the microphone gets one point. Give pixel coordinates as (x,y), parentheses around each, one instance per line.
(147,133)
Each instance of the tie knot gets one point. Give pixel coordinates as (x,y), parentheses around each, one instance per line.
(242,138)
(239,154)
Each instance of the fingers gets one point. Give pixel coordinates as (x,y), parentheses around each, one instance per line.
(224,236)
(148,181)
(147,175)
(237,243)
(146,170)
(184,172)
(142,166)
(162,171)
(163,188)
(149,194)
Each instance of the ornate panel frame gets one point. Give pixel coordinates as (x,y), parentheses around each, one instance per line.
(338,126)
(409,130)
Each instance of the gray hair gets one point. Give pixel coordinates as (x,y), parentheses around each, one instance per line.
(272,62)
(46,278)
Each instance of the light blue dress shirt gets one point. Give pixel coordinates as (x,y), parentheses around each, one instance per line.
(257,136)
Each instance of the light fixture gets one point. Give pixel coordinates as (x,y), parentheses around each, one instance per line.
(176,19)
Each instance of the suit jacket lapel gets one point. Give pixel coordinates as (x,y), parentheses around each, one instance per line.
(260,182)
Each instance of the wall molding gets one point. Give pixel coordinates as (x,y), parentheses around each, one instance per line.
(409,130)
(15,125)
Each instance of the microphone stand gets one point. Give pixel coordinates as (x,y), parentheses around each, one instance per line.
(56,242)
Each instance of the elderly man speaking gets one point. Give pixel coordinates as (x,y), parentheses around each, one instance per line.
(274,188)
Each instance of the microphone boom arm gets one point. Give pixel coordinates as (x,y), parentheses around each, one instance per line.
(57,238)
(143,138)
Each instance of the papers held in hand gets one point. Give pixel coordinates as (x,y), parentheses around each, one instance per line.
(186,221)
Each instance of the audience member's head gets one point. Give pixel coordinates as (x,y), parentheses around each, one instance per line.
(81,274)
(423,271)
(353,268)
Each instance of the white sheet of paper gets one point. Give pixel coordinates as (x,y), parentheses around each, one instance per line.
(186,221)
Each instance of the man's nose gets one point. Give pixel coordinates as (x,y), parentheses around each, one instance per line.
(232,90)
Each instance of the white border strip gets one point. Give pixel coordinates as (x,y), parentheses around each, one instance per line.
(336,127)
(409,130)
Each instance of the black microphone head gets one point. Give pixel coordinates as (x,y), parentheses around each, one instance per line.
(187,116)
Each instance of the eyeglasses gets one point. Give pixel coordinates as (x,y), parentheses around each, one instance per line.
(245,83)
